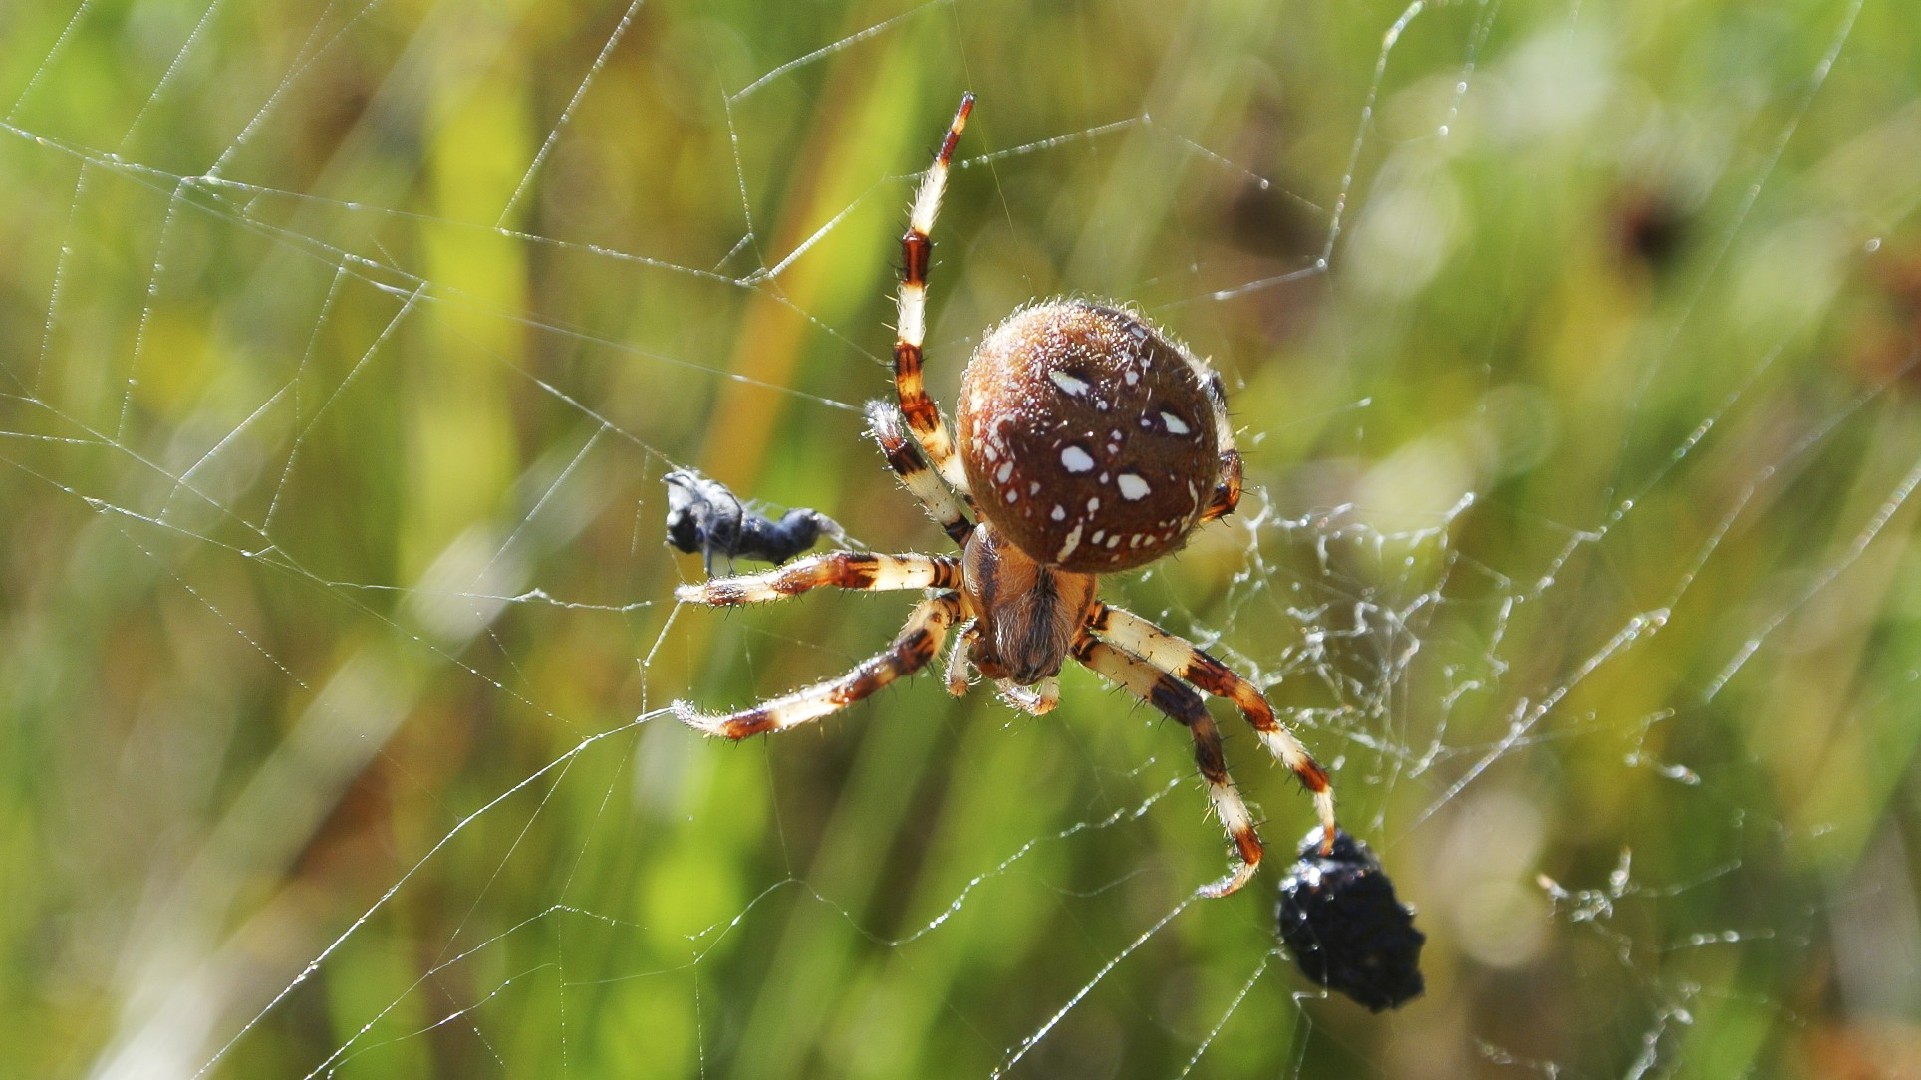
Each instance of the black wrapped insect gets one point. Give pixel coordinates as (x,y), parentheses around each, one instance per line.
(1339,917)
(705,518)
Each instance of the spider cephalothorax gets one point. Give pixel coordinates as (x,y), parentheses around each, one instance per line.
(1090,442)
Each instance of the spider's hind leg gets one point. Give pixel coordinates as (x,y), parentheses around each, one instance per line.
(1227,489)
(923,415)
(921,481)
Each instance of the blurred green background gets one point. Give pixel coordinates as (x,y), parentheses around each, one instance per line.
(343,346)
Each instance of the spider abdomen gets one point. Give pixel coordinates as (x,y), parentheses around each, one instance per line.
(1088,437)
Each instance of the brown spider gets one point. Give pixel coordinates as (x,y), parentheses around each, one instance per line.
(1090,443)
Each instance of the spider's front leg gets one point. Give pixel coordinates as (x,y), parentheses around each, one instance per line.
(1179,701)
(917,643)
(1183,659)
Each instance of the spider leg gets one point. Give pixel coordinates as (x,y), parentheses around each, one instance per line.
(1178,700)
(923,414)
(841,569)
(917,644)
(1185,660)
(1227,490)
(904,457)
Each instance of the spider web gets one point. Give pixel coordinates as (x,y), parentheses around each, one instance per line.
(343,347)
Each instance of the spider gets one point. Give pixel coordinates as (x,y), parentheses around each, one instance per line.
(1089,443)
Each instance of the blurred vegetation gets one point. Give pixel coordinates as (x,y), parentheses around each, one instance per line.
(342,349)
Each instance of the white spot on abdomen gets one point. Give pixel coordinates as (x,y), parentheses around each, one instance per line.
(1133,486)
(1174,423)
(1076,459)
(1073,541)
(1068,383)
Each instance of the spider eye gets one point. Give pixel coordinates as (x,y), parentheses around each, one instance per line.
(1087,436)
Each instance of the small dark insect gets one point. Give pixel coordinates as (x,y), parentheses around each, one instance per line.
(1339,917)
(704,517)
